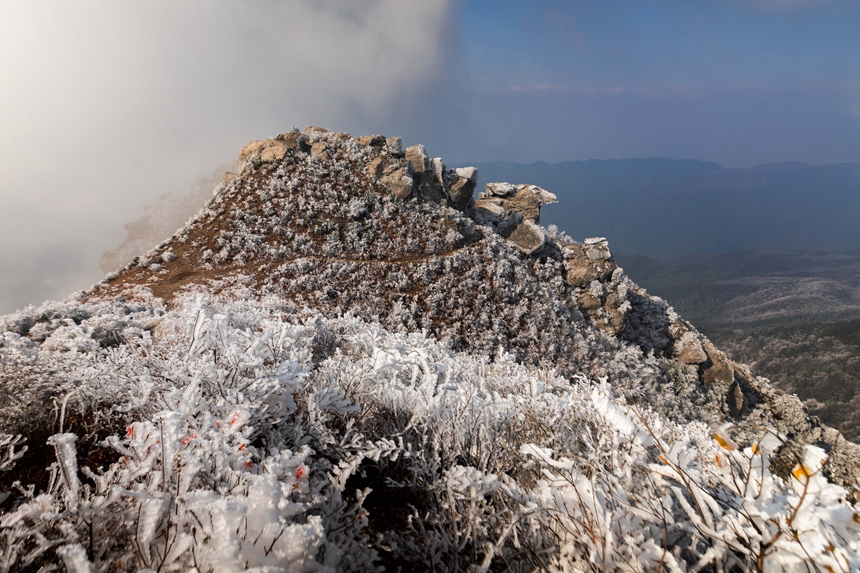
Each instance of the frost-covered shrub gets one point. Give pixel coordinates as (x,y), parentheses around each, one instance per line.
(256,437)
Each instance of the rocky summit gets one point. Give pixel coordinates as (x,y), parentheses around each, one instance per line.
(299,319)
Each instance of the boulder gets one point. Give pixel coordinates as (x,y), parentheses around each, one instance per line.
(372,140)
(295,141)
(319,150)
(527,237)
(718,370)
(583,264)
(525,199)
(400,182)
(376,167)
(499,190)
(394,145)
(428,188)
(603,304)
(597,249)
(264,151)
(396,174)
(315,130)
(689,349)
(489,212)
(462,187)
(440,170)
(417,155)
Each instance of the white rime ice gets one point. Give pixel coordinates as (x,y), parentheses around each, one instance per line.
(75,559)
(259,439)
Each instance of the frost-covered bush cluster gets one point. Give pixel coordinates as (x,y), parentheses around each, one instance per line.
(253,437)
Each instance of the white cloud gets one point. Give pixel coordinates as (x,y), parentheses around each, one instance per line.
(106,105)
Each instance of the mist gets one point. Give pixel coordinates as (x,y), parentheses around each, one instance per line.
(106,106)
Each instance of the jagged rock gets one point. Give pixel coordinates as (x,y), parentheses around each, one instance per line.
(462,188)
(461,224)
(527,237)
(719,369)
(272,150)
(319,150)
(372,140)
(736,399)
(394,173)
(439,169)
(377,166)
(428,188)
(597,249)
(295,141)
(689,349)
(265,151)
(499,189)
(605,302)
(394,146)
(313,130)
(583,267)
(229,176)
(525,199)
(417,155)
(489,212)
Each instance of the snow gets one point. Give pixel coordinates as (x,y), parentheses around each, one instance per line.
(249,446)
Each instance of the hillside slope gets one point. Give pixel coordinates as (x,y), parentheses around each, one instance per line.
(346,361)
(793,317)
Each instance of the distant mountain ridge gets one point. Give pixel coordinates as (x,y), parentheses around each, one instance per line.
(666,208)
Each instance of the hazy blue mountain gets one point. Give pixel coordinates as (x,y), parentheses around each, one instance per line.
(665,207)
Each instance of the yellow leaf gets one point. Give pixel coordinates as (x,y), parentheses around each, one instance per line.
(723,442)
(801,472)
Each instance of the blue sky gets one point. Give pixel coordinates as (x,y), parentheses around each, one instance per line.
(740,83)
